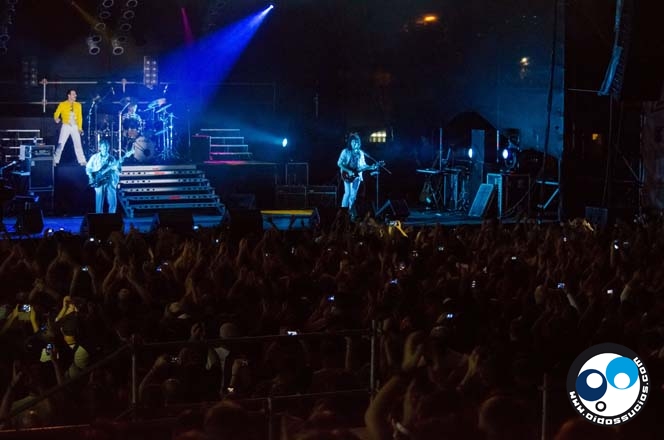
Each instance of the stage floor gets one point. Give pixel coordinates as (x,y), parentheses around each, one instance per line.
(282,219)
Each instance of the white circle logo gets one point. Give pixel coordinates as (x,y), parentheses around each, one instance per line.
(608,384)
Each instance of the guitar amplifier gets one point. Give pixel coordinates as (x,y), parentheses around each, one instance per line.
(42,151)
(41,172)
(512,189)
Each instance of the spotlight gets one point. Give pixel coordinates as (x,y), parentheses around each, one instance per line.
(99,26)
(125,26)
(131,3)
(470,152)
(284,142)
(128,14)
(511,158)
(93,47)
(104,15)
(108,3)
(117,46)
(95,38)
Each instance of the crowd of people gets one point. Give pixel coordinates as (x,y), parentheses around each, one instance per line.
(474,324)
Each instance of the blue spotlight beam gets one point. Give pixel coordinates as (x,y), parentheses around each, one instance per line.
(210,60)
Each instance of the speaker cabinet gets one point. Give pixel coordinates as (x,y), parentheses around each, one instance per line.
(200,148)
(177,221)
(41,173)
(100,226)
(30,220)
(513,193)
(394,210)
(241,201)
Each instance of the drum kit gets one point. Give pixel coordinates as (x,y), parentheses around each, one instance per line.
(149,130)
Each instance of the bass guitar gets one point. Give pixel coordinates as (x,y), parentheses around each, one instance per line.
(349,177)
(102,176)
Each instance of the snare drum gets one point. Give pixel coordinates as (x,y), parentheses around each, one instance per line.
(131,127)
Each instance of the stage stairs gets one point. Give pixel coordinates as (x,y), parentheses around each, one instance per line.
(226,144)
(148,189)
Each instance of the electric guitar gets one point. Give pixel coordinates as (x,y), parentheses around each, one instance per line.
(349,177)
(102,176)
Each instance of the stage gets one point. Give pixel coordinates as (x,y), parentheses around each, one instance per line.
(283,220)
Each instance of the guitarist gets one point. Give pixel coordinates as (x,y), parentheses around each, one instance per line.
(351,163)
(103,172)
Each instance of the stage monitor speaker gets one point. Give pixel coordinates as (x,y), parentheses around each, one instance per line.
(100,226)
(597,216)
(41,173)
(177,221)
(245,222)
(241,201)
(30,220)
(394,209)
(483,199)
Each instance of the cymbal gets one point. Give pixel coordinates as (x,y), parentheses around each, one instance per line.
(163,108)
(157,103)
(127,100)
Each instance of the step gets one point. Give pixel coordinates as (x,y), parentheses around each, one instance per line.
(214,155)
(163,189)
(158,181)
(132,168)
(172,197)
(222,130)
(190,205)
(161,173)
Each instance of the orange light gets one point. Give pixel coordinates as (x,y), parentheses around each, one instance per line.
(595,137)
(430,18)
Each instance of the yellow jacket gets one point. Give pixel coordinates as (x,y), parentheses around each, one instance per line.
(63,112)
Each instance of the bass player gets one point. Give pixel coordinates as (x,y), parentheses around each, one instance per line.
(103,172)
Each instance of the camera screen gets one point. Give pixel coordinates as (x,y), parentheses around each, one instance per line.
(25,307)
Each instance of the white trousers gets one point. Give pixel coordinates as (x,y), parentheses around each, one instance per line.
(65,131)
(109,193)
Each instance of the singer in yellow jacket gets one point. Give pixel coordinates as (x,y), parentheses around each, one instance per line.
(70,113)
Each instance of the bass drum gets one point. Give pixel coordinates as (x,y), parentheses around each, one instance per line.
(144,149)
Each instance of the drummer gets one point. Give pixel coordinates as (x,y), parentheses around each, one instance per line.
(132,122)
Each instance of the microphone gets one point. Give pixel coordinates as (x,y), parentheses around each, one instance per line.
(112,90)
(96,98)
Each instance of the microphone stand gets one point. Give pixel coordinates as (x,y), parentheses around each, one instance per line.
(120,128)
(376,207)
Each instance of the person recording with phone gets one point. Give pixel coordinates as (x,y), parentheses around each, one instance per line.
(70,113)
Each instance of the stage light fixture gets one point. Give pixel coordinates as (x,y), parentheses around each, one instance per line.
(131,3)
(95,38)
(93,48)
(128,14)
(108,3)
(470,152)
(125,26)
(104,15)
(99,26)
(118,49)
(284,142)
